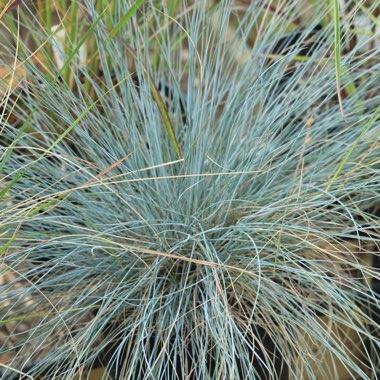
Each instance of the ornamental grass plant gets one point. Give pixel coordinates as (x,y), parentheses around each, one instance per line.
(188,190)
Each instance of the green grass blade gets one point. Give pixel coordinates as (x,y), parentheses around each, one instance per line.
(337,49)
(125,19)
(9,150)
(71,38)
(6,188)
(80,44)
(45,205)
(5,247)
(354,145)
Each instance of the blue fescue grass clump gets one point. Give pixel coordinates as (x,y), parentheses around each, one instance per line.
(231,248)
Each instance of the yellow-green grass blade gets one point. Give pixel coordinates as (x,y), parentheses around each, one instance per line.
(42,314)
(45,205)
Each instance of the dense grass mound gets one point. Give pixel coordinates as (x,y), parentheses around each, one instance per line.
(190,203)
